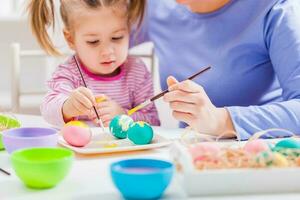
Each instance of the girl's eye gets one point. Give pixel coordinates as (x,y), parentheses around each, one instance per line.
(117,38)
(93,42)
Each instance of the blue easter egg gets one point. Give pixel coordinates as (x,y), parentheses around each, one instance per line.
(119,126)
(140,133)
(288,143)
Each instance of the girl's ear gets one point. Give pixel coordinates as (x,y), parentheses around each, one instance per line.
(69,38)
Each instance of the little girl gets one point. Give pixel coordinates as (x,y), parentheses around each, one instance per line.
(98,32)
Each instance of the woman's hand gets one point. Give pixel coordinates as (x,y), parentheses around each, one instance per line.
(191,105)
(80,102)
(107,109)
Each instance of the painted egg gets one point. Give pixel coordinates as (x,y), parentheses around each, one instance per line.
(272,159)
(76,136)
(256,146)
(265,158)
(203,151)
(77,123)
(287,143)
(280,160)
(119,126)
(140,133)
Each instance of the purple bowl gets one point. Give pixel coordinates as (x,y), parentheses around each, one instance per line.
(21,138)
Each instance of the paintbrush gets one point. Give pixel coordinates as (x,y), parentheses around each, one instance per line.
(5,172)
(85,85)
(147,102)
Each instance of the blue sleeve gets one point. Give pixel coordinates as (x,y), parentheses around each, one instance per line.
(282,38)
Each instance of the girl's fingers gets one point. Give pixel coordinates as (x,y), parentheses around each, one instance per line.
(106,124)
(106,119)
(101,98)
(79,97)
(80,107)
(104,110)
(95,121)
(104,104)
(92,114)
(87,94)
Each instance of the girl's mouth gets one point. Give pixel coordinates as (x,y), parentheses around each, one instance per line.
(108,63)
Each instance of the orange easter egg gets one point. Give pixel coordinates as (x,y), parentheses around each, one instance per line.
(77,123)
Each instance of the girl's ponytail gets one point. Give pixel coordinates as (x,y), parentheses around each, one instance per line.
(41,17)
(136,11)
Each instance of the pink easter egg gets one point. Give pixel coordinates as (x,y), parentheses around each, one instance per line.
(202,151)
(76,136)
(256,146)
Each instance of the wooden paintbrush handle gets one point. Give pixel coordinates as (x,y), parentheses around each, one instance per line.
(189,78)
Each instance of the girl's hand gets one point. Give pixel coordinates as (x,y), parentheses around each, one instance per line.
(80,102)
(191,105)
(107,109)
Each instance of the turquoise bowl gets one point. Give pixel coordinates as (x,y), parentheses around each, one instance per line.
(143,179)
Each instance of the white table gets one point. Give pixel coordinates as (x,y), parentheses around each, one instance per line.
(90,178)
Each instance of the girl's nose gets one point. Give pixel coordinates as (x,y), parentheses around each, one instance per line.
(107,51)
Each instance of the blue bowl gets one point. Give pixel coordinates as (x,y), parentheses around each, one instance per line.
(142,178)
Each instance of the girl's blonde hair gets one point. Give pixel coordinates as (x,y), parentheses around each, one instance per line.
(42,16)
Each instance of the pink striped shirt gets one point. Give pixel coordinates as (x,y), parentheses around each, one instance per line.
(130,87)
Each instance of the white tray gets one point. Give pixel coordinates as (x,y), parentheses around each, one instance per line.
(232,181)
(100,142)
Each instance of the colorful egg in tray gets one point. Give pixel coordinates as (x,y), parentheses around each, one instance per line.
(119,126)
(140,133)
(76,133)
(287,144)
(256,146)
(123,126)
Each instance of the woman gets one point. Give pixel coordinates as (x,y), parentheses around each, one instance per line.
(253,47)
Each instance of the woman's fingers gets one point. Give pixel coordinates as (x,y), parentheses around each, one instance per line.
(171,81)
(184,107)
(184,117)
(178,95)
(187,86)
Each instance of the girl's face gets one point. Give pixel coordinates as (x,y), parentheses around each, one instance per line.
(203,6)
(100,38)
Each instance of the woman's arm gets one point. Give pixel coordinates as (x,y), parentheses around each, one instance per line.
(191,104)
(282,38)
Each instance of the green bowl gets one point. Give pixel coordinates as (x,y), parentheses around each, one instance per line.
(8,123)
(42,167)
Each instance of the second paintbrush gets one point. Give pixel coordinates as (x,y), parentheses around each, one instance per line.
(147,102)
